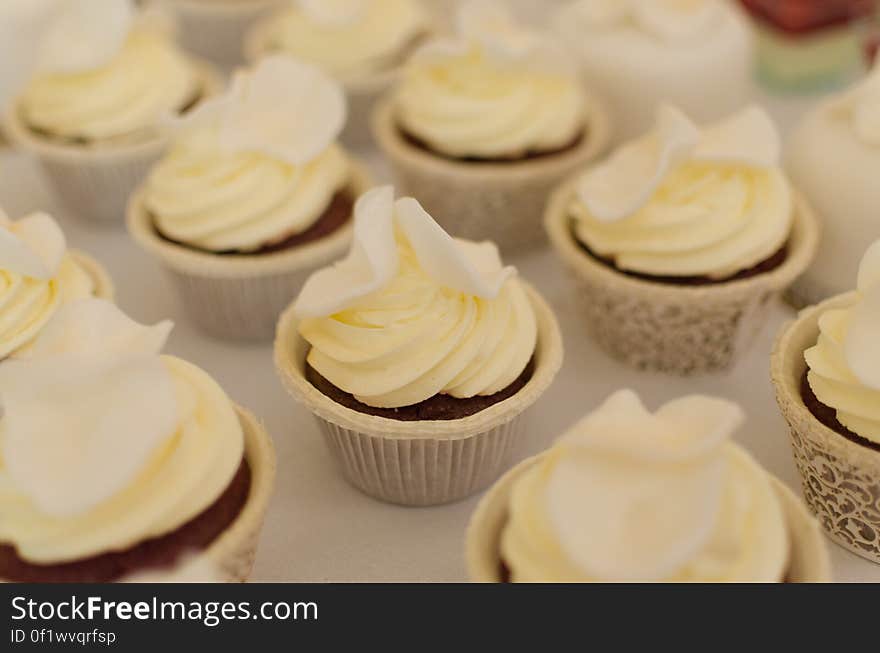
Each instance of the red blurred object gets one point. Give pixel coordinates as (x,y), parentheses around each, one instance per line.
(805,16)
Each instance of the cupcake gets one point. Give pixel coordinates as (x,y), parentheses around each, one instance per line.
(418,355)
(696,55)
(631,496)
(216,29)
(362,43)
(825,371)
(253,195)
(832,157)
(38,276)
(91,113)
(679,242)
(117,460)
(485,124)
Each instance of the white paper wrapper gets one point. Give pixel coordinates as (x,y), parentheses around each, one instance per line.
(420,463)
(501,202)
(240,297)
(809,561)
(95,182)
(674,328)
(841,478)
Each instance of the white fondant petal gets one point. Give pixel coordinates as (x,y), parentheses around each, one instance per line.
(676,20)
(333,12)
(748,137)
(99,328)
(861,106)
(83,36)
(869,270)
(77,429)
(33,246)
(619,187)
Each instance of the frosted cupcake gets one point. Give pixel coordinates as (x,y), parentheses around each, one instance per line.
(117,460)
(825,370)
(253,196)
(483,125)
(216,29)
(638,54)
(363,43)
(38,276)
(632,496)
(91,113)
(832,158)
(680,240)
(418,355)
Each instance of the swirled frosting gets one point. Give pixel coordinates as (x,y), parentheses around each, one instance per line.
(123,98)
(844,366)
(412,313)
(497,90)
(256,165)
(350,39)
(684,202)
(104,443)
(627,495)
(37,276)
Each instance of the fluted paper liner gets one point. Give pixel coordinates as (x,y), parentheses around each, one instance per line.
(217,30)
(104,288)
(240,297)
(808,556)
(502,202)
(363,93)
(841,478)
(95,181)
(674,328)
(420,463)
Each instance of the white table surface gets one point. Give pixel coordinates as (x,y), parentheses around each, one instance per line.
(319,529)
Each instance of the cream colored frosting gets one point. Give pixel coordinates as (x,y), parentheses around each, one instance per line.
(37,276)
(685,202)
(104,443)
(844,366)
(860,107)
(124,98)
(627,495)
(256,165)
(412,313)
(495,90)
(349,38)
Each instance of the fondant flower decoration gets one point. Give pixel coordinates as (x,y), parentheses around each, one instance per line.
(334,12)
(862,344)
(283,108)
(634,473)
(862,107)
(668,20)
(623,184)
(85,410)
(33,246)
(82,36)
(470,268)
(489,25)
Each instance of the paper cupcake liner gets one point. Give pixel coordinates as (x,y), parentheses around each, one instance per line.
(104,288)
(841,478)
(362,93)
(96,182)
(420,463)
(240,297)
(682,330)
(501,202)
(808,558)
(234,551)
(216,30)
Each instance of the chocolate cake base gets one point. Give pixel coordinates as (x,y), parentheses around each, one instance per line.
(765,266)
(155,554)
(531,155)
(828,416)
(334,218)
(438,407)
